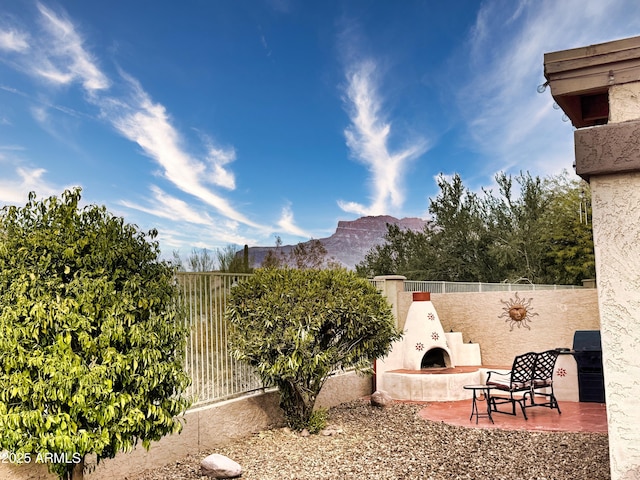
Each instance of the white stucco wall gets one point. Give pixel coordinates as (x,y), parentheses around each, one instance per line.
(616,228)
(623,102)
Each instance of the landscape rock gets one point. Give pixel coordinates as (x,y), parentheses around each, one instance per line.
(380,398)
(219,466)
(330,431)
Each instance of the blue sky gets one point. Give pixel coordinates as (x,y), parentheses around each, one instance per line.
(233,121)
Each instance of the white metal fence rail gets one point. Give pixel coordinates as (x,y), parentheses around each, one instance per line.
(215,375)
(461,287)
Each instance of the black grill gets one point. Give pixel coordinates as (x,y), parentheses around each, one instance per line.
(587,350)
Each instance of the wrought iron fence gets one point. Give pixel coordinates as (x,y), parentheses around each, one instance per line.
(215,375)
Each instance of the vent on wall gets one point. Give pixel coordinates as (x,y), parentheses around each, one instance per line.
(595,109)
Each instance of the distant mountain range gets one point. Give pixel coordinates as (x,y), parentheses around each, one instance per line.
(352,239)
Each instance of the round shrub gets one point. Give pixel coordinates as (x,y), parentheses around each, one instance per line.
(297,327)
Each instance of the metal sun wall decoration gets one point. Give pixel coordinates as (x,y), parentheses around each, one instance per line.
(518,312)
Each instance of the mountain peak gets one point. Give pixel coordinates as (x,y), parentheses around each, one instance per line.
(352,239)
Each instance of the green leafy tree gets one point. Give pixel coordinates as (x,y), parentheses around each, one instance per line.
(231,261)
(407,251)
(530,228)
(567,232)
(91,334)
(453,247)
(519,246)
(305,255)
(177,262)
(461,237)
(297,327)
(228,260)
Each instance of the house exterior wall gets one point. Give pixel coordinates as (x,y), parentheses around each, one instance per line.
(623,102)
(608,156)
(616,230)
(615,195)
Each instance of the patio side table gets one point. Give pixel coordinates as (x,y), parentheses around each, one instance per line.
(484,392)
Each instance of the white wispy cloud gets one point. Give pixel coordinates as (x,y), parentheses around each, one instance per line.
(368,139)
(172,208)
(64,58)
(218,157)
(196,236)
(15,190)
(287,223)
(19,178)
(148,124)
(12,40)
(219,233)
(512,125)
(58,56)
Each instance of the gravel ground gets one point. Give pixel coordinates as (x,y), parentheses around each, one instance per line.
(366,442)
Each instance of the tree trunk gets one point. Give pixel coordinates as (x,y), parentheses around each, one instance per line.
(78,471)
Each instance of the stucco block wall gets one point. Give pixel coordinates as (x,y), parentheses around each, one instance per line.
(204,428)
(343,388)
(554,316)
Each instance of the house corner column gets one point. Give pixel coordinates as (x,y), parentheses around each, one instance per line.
(609,157)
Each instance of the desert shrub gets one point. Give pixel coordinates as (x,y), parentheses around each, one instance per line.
(297,327)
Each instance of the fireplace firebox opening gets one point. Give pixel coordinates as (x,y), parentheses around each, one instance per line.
(435,358)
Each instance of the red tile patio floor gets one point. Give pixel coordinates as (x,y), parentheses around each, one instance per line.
(575,417)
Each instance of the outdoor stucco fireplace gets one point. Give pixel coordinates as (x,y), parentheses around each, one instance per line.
(425,343)
(422,366)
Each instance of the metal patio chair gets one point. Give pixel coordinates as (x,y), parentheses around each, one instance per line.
(517,383)
(542,384)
